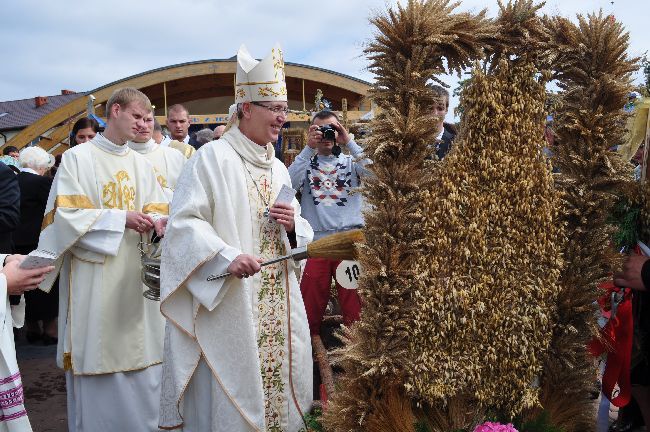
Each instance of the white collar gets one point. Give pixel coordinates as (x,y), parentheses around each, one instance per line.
(442,132)
(28,170)
(143,148)
(261,156)
(108,146)
(167,139)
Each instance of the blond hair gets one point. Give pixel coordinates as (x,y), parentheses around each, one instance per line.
(177,108)
(125,97)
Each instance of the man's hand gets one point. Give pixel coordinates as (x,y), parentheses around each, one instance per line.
(284,214)
(138,221)
(16,257)
(313,136)
(21,280)
(342,137)
(244,266)
(630,277)
(160,225)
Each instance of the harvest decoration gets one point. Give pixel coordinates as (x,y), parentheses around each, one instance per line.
(471,288)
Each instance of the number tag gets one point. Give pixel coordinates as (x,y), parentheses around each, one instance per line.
(348,274)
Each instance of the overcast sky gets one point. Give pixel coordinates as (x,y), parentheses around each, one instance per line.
(80,45)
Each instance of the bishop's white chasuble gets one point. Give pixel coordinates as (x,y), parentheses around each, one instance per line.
(237,351)
(106,326)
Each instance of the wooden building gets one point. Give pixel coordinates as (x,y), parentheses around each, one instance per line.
(205,87)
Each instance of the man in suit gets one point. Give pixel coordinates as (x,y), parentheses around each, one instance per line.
(9,207)
(34,190)
(445,132)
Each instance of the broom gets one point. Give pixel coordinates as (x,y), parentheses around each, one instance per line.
(338,246)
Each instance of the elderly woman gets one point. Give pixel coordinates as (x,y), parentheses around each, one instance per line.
(34,190)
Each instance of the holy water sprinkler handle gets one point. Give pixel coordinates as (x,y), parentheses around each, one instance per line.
(297,254)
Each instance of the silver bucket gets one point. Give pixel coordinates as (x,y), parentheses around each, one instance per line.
(150,273)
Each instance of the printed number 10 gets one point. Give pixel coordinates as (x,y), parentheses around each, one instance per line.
(353,272)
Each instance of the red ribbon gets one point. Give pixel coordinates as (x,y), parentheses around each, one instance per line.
(615,339)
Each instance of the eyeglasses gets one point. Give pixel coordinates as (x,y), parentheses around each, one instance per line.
(277,110)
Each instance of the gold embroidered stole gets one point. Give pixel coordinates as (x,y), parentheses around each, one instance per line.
(269,300)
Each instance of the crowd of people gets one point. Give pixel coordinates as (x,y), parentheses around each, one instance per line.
(233,354)
(224,355)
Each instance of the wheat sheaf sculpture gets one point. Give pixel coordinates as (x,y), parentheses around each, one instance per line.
(472,283)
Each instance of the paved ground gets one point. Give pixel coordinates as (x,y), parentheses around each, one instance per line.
(44,385)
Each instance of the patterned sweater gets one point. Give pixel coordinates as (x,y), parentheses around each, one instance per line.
(326,184)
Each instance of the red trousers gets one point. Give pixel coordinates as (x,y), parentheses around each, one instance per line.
(315,289)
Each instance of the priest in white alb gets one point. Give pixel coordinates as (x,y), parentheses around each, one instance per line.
(167,161)
(106,199)
(237,350)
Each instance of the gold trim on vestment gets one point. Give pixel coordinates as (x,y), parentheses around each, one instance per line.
(87,261)
(193,337)
(290,343)
(67,361)
(186,149)
(171,427)
(223,387)
(139,368)
(164,300)
(160,208)
(258,83)
(67,201)
(178,402)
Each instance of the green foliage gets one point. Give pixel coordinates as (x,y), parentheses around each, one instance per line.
(458,91)
(540,424)
(312,420)
(625,217)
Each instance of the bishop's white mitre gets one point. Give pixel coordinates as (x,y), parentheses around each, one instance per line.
(260,81)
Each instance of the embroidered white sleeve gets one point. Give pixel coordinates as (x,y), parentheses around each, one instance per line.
(209,294)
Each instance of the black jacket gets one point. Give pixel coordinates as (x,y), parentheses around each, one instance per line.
(445,143)
(9,207)
(34,190)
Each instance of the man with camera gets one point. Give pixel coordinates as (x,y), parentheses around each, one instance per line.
(325,177)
